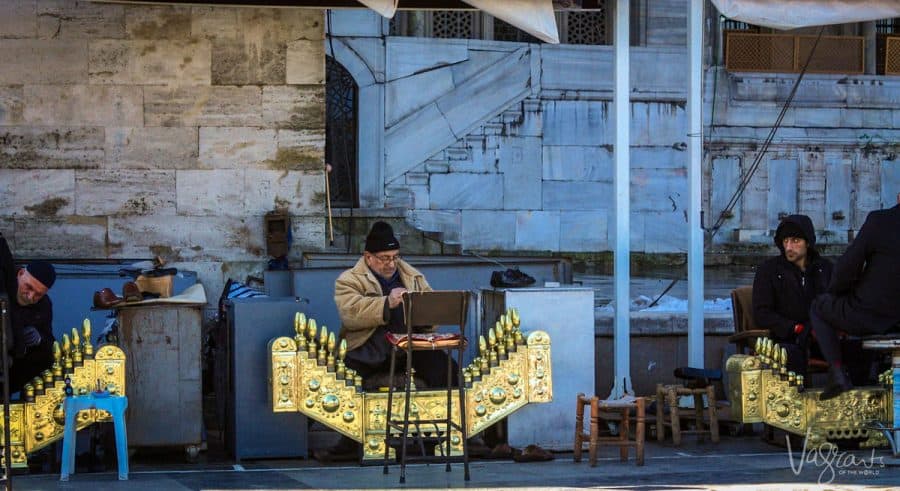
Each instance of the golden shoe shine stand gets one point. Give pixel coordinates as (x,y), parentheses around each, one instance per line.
(307,375)
(38,420)
(762,390)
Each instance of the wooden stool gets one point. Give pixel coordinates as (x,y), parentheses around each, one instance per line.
(669,394)
(622,407)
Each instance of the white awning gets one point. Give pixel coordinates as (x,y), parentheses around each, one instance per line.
(791,14)
(385,8)
(532,16)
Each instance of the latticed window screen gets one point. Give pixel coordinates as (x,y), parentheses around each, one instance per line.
(341,109)
(892,56)
(585,27)
(456,24)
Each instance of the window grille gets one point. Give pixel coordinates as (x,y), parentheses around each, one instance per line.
(341,108)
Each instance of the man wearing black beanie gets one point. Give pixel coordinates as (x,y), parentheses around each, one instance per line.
(785,286)
(369,301)
(30,333)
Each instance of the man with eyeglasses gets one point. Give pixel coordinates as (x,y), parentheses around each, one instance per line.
(369,301)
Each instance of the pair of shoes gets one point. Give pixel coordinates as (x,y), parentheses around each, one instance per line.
(502,451)
(131,292)
(838,383)
(533,453)
(105,299)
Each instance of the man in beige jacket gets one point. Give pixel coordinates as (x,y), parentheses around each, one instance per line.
(369,301)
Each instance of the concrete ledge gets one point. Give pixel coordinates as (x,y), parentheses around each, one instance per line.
(664,323)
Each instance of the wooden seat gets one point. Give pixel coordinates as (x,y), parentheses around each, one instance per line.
(436,308)
(621,407)
(670,395)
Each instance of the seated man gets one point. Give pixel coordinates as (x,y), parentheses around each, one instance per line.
(30,332)
(785,286)
(864,294)
(369,301)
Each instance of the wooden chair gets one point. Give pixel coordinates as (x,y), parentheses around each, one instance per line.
(436,308)
(623,407)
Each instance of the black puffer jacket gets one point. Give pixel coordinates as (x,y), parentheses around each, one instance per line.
(782,293)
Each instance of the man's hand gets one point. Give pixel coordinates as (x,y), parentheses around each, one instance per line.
(395,298)
(31,337)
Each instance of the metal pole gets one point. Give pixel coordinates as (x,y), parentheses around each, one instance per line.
(695,174)
(4,358)
(622,208)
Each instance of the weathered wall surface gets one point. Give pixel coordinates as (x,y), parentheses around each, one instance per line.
(133,131)
(508,146)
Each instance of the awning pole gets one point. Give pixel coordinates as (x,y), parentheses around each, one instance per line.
(695,174)
(622,208)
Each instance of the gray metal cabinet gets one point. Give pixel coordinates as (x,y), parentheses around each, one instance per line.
(162,346)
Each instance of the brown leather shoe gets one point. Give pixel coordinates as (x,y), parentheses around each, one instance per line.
(105,299)
(131,292)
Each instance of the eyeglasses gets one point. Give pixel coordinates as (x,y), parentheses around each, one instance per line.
(387,259)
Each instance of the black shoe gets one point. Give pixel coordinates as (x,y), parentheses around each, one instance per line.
(838,383)
(345,450)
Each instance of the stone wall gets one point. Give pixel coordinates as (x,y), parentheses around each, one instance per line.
(133,131)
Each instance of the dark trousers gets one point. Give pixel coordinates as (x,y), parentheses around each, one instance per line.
(430,370)
(827,322)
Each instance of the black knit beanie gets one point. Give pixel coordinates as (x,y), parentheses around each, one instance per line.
(43,272)
(381,238)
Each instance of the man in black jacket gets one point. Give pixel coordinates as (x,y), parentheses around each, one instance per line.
(30,334)
(785,286)
(864,294)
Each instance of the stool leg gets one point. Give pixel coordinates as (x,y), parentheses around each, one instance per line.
(624,431)
(121,443)
(595,431)
(713,417)
(579,428)
(698,415)
(68,451)
(674,416)
(660,422)
(639,431)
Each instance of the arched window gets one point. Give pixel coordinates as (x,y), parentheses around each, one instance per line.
(341,108)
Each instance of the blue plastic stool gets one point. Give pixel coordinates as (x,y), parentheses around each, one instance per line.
(115,405)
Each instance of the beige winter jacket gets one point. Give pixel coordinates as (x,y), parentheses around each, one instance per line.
(361,304)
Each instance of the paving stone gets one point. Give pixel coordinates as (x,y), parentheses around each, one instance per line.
(294,107)
(577,163)
(151,22)
(305,63)
(19,19)
(467,191)
(236,148)
(537,230)
(300,193)
(488,230)
(154,147)
(584,231)
(48,147)
(83,105)
(12,106)
(125,192)
(521,166)
(149,62)
(37,193)
(43,61)
(71,237)
(189,238)
(203,106)
(584,195)
(75,20)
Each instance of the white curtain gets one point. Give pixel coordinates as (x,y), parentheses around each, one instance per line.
(791,14)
